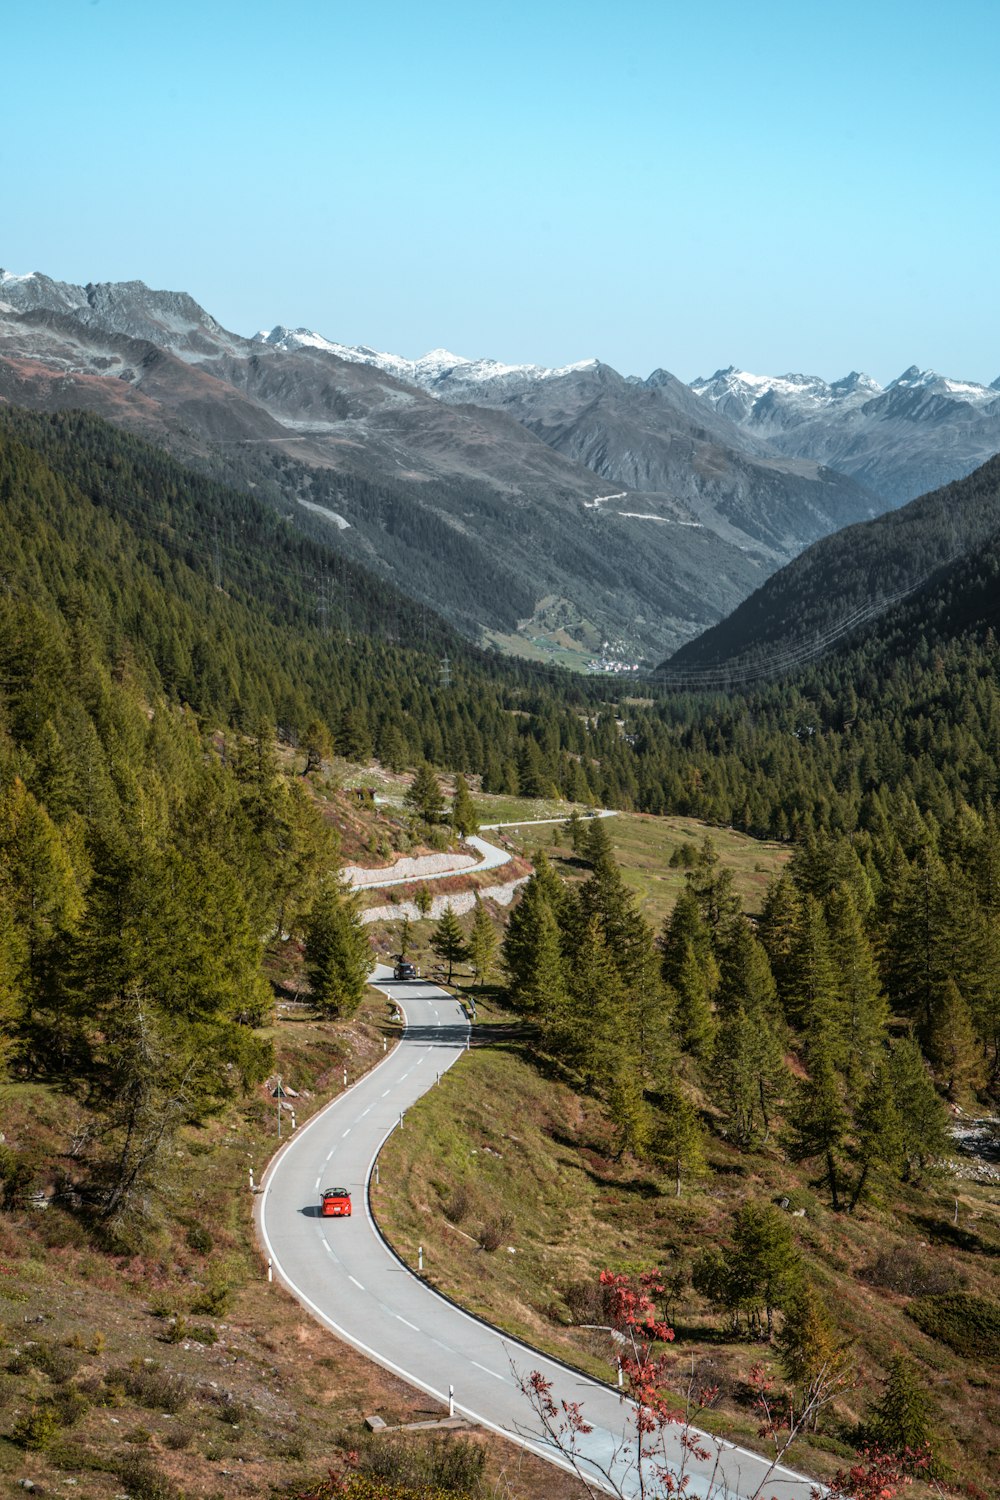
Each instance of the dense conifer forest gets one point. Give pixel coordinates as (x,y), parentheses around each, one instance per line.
(161,634)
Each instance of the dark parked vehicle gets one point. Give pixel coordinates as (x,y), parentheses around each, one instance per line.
(404,971)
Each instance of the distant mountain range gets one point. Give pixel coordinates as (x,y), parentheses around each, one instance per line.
(560,512)
(921,431)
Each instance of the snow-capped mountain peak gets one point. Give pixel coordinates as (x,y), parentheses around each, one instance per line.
(915,379)
(440,372)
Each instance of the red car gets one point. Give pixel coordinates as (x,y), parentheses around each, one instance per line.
(336,1203)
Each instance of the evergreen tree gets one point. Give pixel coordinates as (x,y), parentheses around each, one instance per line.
(482,945)
(900,1421)
(338,953)
(922,1116)
(463,814)
(592,1038)
(630,1114)
(879,1133)
(677,1137)
(714,890)
(746,1070)
(424,794)
(757,1274)
(950,1042)
(862,1013)
(448,941)
(812,999)
(779,923)
(693,1016)
(532,957)
(405,936)
(820,1118)
(317,744)
(745,981)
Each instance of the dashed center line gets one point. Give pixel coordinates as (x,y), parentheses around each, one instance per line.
(346,1132)
(386,1091)
(412,1325)
(357,1283)
(485,1370)
(319,1179)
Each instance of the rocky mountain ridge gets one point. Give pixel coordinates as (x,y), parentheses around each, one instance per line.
(545,509)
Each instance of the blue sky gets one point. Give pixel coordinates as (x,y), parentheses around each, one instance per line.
(781,186)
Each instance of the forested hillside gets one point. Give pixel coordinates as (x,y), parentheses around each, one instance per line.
(854,568)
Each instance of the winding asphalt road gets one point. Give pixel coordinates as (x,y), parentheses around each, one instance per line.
(345,1274)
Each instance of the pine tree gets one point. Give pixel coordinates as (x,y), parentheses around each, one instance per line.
(596,843)
(630,1114)
(714,890)
(424,794)
(693,1016)
(532,957)
(592,1039)
(405,936)
(338,953)
(745,978)
(677,1137)
(746,1070)
(482,944)
(317,744)
(812,999)
(879,1133)
(862,1013)
(779,922)
(922,1116)
(757,1274)
(951,1044)
(463,814)
(820,1118)
(900,1421)
(448,941)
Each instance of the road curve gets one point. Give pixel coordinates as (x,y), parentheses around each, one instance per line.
(346,1275)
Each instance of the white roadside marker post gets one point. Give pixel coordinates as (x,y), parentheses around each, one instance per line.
(451,1401)
(420,1258)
